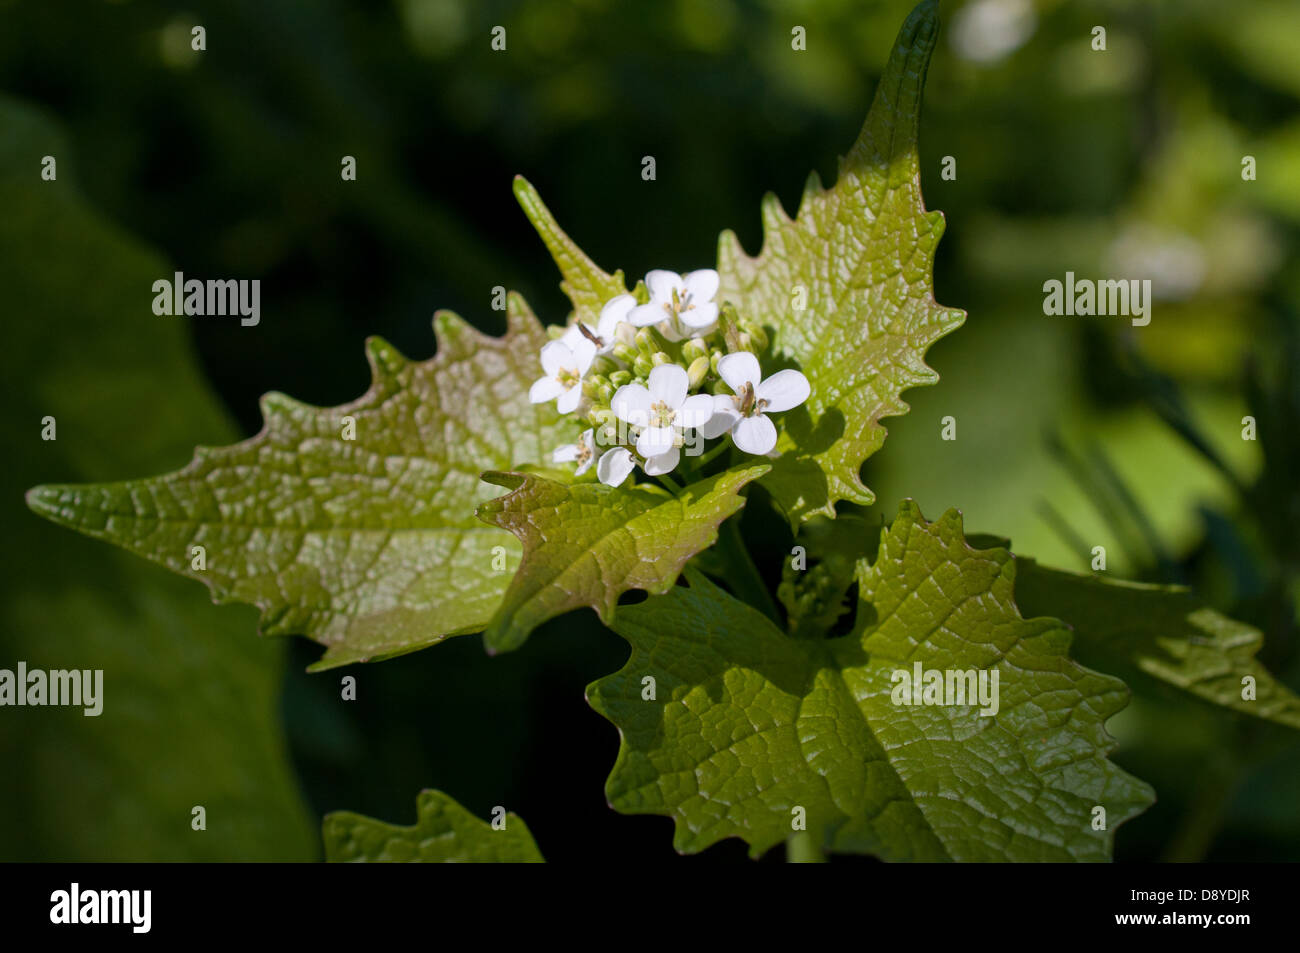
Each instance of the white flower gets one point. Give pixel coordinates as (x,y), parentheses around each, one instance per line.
(565,365)
(743,413)
(604,335)
(583,452)
(683,303)
(662,412)
(614,465)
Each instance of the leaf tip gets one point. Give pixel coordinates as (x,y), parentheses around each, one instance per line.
(384,359)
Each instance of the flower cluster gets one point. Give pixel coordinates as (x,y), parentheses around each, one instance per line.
(660,376)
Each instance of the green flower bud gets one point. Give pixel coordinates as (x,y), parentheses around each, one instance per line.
(694,348)
(659,358)
(646,343)
(698,370)
(620,377)
(643,366)
(625,352)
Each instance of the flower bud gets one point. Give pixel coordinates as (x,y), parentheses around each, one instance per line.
(659,358)
(757,335)
(698,370)
(620,377)
(694,348)
(643,366)
(646,343)
(625,334)
(625,352)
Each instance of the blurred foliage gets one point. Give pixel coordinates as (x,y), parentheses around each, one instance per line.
(1072,432)
(190,701)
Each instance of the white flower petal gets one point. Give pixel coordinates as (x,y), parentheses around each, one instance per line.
(615,311)
(655,440)
(586,438)
(565,454)
(544,389)
(669,330)
(556,355)
(644,315)
(702,285)
(614,466)
(695,411)
(584,466)
(568,402)
(584,352)
(669,383)
(725,415)
(664,463)
(700,316)
(662,284)
(571,336)
(631,404)
(783,390)
(755,434)
(739,369)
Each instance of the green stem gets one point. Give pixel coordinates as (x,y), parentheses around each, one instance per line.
(673,486)
(704,459)
(746,582)
(802,849)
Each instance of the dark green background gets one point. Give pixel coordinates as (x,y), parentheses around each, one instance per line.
(226,163)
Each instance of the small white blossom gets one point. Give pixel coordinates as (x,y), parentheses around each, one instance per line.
(583,453)
(661,412)
(743,413)
(682,305)
(605,335)
(614,465)
(565,366)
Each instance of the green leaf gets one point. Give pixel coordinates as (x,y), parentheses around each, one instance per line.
(860,257)
(367,545)
(586,544)
(749,724)
(1164,631)
(586,286)
(191,711)
(444,833)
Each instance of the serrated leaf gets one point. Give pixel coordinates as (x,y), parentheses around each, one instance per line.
(444,833)
(750,724)
(586,286)
(585,544)
(1163,630)
(370,545)
(860,257)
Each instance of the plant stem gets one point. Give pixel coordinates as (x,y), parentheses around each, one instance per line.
(704,459)
(802,849)
(670,483)
(743,575)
